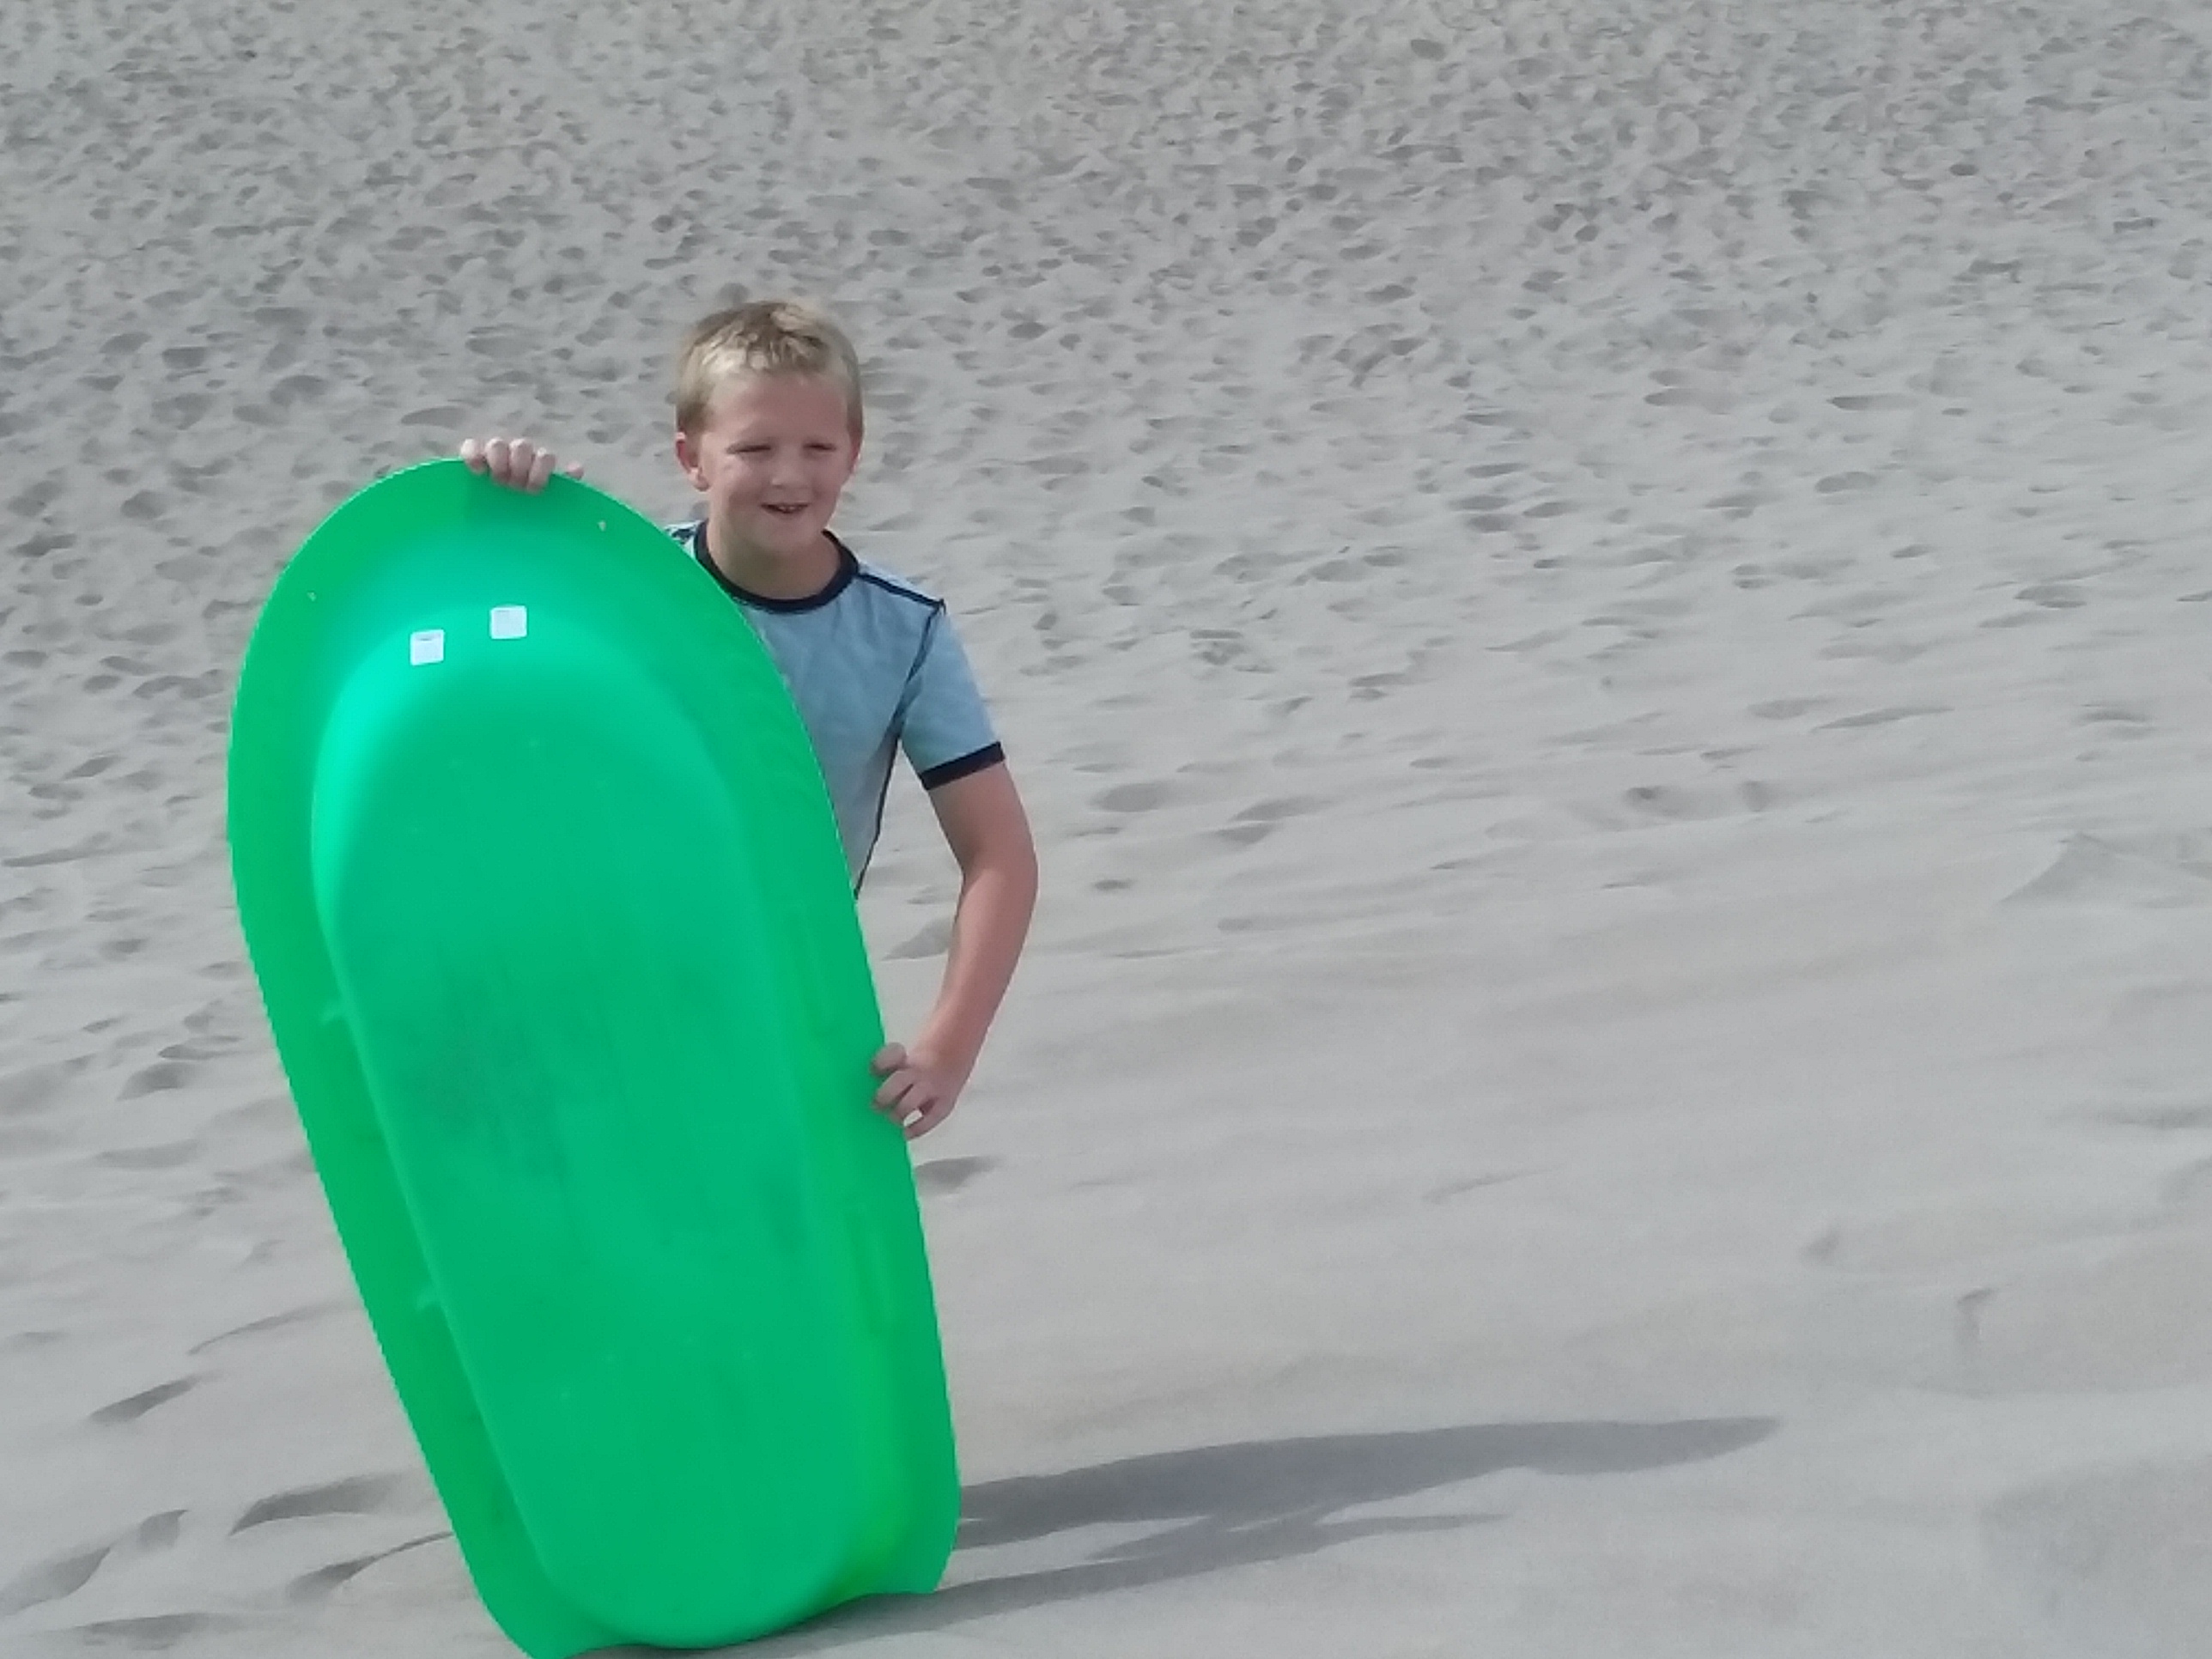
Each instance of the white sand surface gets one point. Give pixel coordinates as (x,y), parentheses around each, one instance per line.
(1604,614)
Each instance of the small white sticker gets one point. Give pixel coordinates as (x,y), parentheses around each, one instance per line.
(427,646)
(509,622)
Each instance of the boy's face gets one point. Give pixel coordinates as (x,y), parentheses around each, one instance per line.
(771,459)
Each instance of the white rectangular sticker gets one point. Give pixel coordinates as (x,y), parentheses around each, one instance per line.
(428,645)
(509,622)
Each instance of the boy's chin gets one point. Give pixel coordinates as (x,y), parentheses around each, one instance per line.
(792,535)
(776,535)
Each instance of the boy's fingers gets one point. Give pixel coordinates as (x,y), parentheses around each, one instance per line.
(516,462)
(917,1109)
(888,1059)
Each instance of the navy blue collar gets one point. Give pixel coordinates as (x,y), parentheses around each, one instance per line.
(848,567)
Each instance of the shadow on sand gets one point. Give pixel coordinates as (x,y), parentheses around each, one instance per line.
(1217,1507)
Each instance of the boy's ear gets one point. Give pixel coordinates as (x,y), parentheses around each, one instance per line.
(687,457)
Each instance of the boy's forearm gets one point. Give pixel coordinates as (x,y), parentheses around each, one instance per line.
(989,926)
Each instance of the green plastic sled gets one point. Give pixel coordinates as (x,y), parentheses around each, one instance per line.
(539,879)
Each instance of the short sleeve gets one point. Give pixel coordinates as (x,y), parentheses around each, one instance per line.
(943,725)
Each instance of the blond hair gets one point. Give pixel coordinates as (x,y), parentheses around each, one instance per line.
(763,336)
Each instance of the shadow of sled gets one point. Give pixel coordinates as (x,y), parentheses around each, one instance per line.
(1238,1505)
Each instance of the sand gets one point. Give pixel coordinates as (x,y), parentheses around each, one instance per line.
(1603,614)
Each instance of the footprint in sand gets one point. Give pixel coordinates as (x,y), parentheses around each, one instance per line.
(134,1407)
(948,1175)
(933,940)
(156,1079)
(1824,1246)
(157,1634)
(61,1577)
(37,1088)
(1142,797)
(1888,716)
(310,1587)
(275,1322)
(159,1532)
(361,1494)
(2089,869)
(1674,804)
(1452,1189)
(1261,819)
(52,1581)
(2168,1119)
(2128,722)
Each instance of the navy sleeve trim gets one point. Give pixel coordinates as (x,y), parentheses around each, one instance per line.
(967,766)
(876,579)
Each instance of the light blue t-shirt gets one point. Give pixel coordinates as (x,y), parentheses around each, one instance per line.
(874,666)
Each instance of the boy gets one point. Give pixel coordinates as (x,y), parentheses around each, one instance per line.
(768,430)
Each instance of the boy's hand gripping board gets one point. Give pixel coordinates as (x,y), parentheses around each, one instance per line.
(539,879)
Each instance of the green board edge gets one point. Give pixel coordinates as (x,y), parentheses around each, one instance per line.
(436,540)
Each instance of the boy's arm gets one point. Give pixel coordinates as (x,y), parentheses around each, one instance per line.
(988,832)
